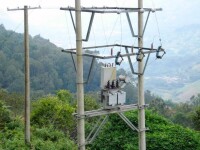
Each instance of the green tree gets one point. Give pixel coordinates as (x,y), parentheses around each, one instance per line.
(5,116)
(158,105)
(182,114)
(15,102)
(65,96)
(183,119)
(90,102)
(195,100)
(196,119)
(43,138)
(49,111)
(162,134)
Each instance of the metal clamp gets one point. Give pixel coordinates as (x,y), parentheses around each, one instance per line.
(144,129)
(143,106)
(140,55)
(79,116)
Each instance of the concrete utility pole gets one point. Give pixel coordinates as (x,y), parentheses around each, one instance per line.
(27,72)
(79,77)
(27,76)
(141,101)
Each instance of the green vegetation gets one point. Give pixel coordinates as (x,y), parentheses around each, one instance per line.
(4,115)
(186,114)
(173,126)
(162,134)
(51,111)
(50,69)
(51,121)
(53,127)
(45,138)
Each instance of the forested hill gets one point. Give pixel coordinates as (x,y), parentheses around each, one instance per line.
(50,69)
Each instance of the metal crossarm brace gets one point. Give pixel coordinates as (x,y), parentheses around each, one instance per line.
(146,63)
(112,45)
(89,28)
(111,9)
(72,20)
(130,62)
(146,23)
(96,129)
(130,25)
(127,121)
(148,51)
(131,66)
(91,67)
(100,112)
(145,129)
(117,10)
(73,61)
(107,57)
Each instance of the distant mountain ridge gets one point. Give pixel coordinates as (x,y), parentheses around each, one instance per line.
(178,73)
(174,77)
(50,69)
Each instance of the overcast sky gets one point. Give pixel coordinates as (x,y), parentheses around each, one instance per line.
(54,24)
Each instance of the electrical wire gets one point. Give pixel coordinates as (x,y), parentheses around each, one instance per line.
(158,29)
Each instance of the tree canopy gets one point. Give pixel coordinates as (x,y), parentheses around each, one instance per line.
(162,134)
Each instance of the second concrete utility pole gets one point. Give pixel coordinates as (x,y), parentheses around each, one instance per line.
(79,77)
(27,72)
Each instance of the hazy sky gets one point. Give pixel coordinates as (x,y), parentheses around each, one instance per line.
(54,24)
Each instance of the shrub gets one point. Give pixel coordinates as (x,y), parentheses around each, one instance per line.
(162,134)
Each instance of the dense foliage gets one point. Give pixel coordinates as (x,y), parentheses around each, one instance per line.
(50,69)
(162,134)
(196,119)
(51,123)
(15,101)
(44,138)
(186,114)
(51,111)
(4,115)
(53,127)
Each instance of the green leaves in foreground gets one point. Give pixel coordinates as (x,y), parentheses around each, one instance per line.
(52,111)
(163,135)
(45,138)
(51,120)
